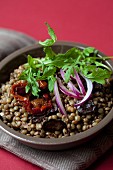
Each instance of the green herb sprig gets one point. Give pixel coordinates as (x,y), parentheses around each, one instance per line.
(83,61)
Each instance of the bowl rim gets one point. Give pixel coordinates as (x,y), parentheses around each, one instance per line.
(55,141)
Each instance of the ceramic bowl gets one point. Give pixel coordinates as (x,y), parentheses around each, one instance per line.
(19,57)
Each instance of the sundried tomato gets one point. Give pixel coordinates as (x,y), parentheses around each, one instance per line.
(32,105)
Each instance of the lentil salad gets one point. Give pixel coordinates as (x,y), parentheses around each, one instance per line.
(52,122)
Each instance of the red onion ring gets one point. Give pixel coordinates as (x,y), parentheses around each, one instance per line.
(71,85)
(66,91)
(58,99)
(80,84)
(88,93)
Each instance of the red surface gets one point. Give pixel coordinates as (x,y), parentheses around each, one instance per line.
(89,22)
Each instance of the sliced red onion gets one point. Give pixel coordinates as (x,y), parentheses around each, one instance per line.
(70,85)
(58,99)
(66,91)
(73,78)
(75,93)
(62,74)
(88,93)
(73,88)
(80,84)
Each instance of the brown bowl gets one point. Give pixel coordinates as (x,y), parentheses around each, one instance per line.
(19,57)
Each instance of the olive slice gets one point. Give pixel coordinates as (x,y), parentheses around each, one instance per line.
(87,107)
(54,125)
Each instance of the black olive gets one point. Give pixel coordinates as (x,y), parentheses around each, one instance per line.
(87,107)
(36,118)
(97,87)
(53,110)
(54,125)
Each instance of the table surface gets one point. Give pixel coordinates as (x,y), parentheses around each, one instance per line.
(89,22)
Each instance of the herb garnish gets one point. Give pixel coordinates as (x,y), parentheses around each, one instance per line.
(85,62)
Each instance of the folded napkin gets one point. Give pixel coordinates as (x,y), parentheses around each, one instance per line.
(78,158)
(11,41)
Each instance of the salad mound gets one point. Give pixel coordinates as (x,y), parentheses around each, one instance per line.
(71,65)
(58,95)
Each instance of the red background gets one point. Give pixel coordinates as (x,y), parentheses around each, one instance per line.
(85,21)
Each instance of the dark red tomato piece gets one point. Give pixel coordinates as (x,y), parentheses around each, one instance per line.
(42,84)
(32,105)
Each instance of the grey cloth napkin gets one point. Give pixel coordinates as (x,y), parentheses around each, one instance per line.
(78,158)
(11,41)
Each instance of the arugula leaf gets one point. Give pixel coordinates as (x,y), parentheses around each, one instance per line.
(49,42)
(69,72)
(35,88)
(49,71)
(32,82)
(28,87)
(68,58)
(99,64)
(51,82)
(87,51)
(99,75)
(31,62)
(85,70)
(51,32)
(49,53)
